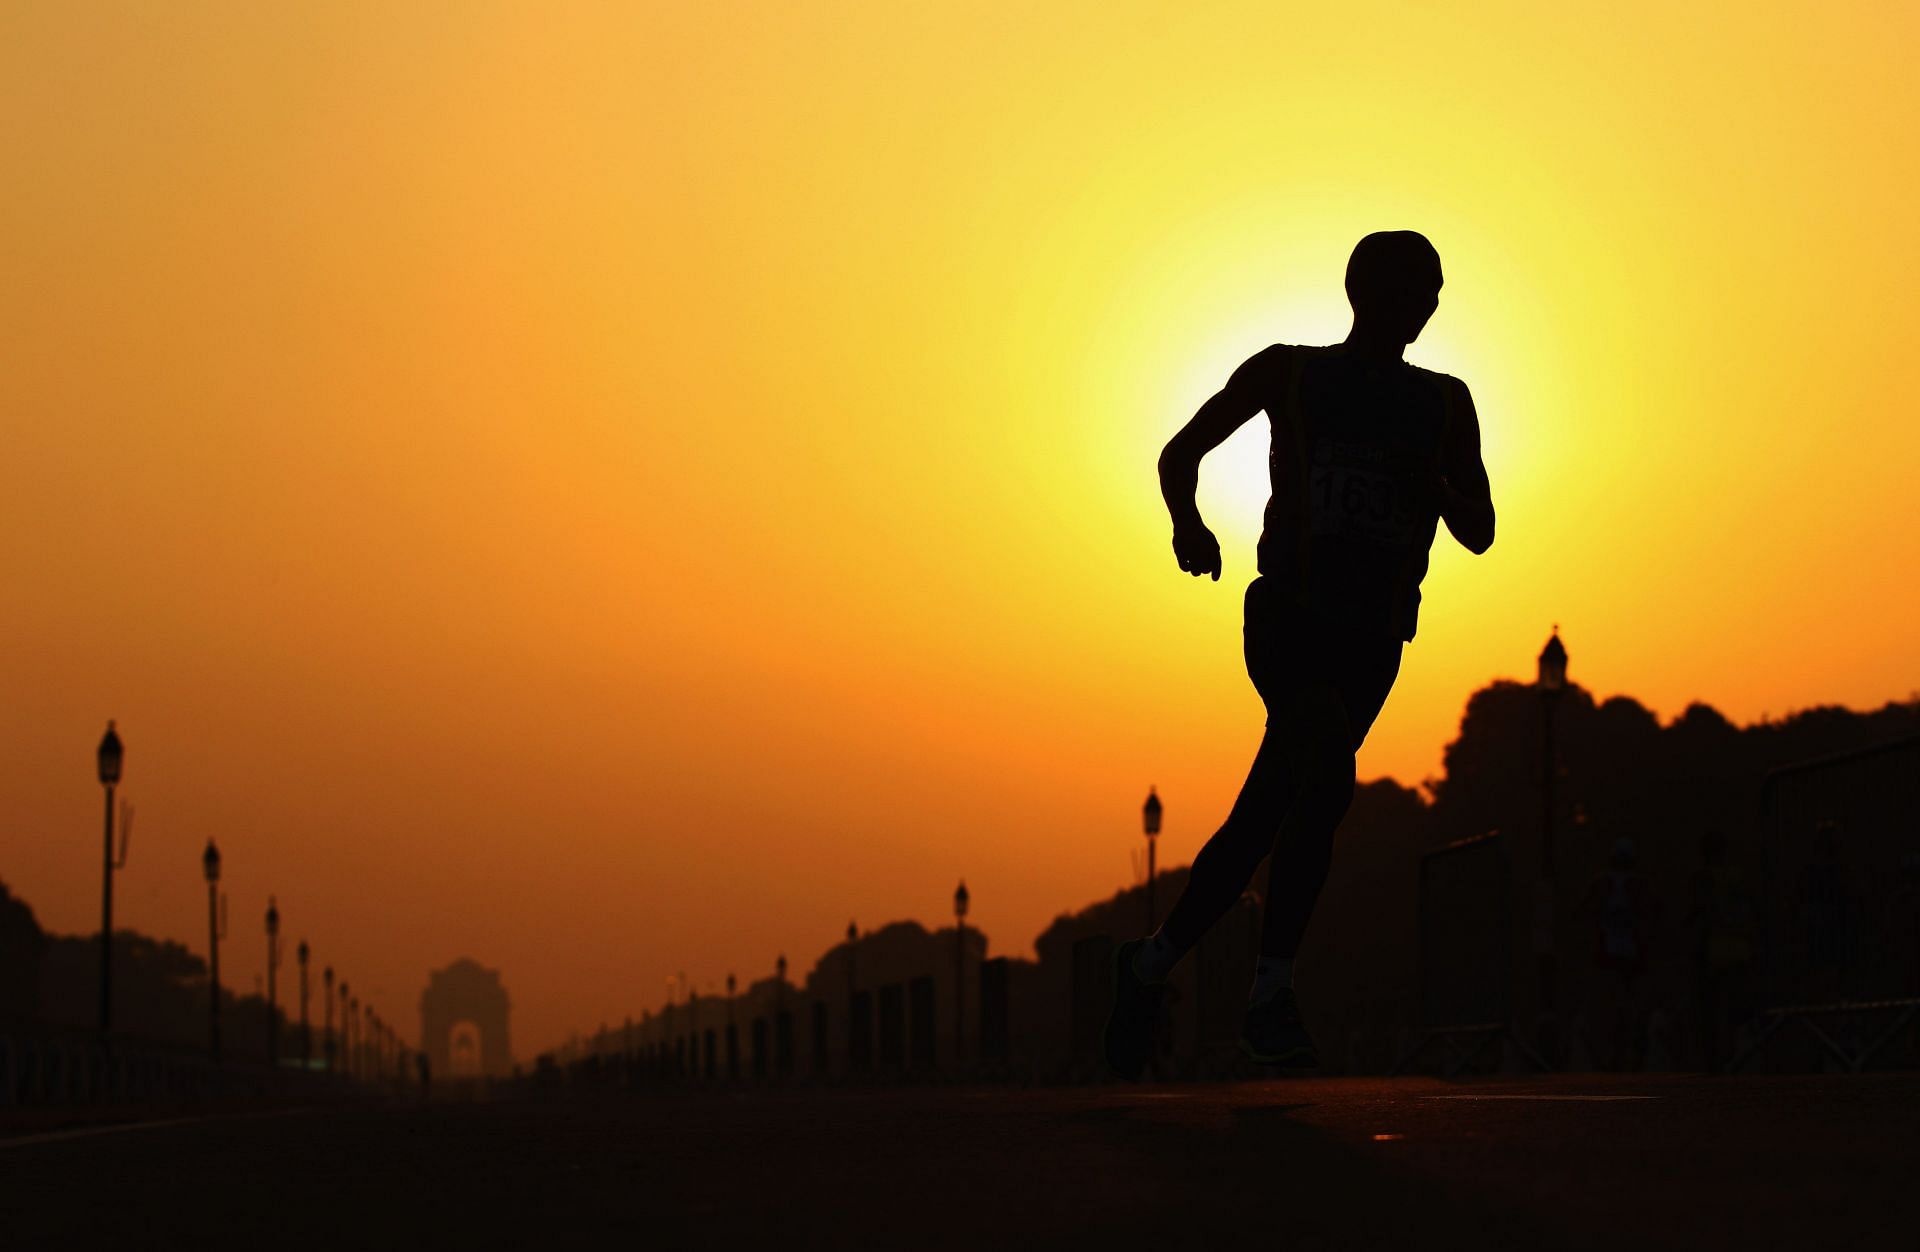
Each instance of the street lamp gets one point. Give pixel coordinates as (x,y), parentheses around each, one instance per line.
(693,1029)
(273,968)
(853,939)
(326,996)
(108,758)
(306,1031)
(216,931)
(1552,683)
(782,1024)
(1150,819)
(856,1053)
(733,1036)
(960,902)
(348,1003)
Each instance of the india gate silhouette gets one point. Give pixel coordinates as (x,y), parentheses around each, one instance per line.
(463,1022)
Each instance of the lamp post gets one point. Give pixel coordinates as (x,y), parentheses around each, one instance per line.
(782,1020)
(108,758)
(1150,820)
(856,1055)
(1552,684)
(853,939)
(326,1033)
(733,1036)
(273,969)
(960,901)
(306,1031)
(348,1004)
(216,931)
(693,1029)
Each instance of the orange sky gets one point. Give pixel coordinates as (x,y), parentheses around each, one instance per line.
(627,491)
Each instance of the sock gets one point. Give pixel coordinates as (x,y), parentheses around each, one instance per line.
(1155,959)
(1271,975)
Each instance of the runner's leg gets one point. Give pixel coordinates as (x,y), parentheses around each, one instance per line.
(1226,864)
(1330,722)
(1303,850)
(1271,638)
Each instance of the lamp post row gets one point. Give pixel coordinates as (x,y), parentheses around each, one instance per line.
(110,759)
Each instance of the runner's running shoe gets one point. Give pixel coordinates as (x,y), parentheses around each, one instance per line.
(1273,1033)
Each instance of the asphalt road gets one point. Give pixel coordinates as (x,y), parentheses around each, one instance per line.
(1581,1162)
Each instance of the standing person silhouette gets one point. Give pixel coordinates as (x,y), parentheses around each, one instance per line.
(1369,454)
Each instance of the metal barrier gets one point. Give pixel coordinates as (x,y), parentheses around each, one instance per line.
(1840,838)
(1466,955)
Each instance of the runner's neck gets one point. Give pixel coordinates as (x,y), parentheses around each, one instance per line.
(1361,343)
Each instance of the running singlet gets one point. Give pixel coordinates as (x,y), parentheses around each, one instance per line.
(1350,521)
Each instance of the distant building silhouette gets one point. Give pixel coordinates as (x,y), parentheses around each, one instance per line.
(463,1023)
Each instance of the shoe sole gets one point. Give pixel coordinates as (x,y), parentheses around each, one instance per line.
(1293,1058)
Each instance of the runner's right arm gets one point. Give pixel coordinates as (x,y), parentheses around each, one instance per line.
(1465,498)
(1225,412)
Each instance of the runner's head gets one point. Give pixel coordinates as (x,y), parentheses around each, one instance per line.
(1393,283)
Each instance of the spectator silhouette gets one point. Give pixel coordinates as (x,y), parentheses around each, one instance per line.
(1621,909)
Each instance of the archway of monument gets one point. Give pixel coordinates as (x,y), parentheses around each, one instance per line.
(463,1022)
(463,1051)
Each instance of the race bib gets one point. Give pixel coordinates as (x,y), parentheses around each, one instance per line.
(1356,497)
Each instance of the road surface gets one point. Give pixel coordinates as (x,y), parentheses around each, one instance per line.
(1602,1162)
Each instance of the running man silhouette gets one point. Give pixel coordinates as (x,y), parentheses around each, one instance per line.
(1369,453)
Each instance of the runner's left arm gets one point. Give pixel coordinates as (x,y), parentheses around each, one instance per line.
(1194,546)
(1466,498)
